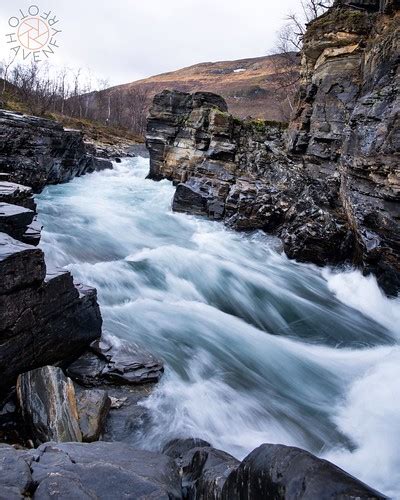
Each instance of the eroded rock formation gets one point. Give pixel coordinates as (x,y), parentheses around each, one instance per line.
(329,186)
(36,151)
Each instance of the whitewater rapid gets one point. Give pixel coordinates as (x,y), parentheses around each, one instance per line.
(257,348)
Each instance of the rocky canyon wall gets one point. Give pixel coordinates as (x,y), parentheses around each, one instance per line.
(45,316)
(329,185)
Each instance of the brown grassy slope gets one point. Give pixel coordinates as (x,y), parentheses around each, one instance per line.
(256,91)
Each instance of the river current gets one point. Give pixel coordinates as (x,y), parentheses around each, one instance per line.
(257,348)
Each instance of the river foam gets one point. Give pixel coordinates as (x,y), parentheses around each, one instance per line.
(258,348)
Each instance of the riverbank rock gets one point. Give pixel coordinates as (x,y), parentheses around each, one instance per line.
(47,399)
(87,471)
(329,186)
(283,472)
(115,362)
(103,470)
(93,407)
(37,152)
(203,468)
(46,318)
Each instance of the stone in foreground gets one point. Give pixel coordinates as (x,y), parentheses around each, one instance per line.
(103,471)
(47,400)
(284,472)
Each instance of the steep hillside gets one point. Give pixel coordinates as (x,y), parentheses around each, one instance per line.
(258,87)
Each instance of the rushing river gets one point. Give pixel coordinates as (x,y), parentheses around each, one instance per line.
(257,348)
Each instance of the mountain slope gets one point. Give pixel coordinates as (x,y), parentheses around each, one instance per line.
(259,87)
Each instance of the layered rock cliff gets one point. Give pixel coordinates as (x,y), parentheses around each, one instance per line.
(36,151)
(45,317)
(329,185)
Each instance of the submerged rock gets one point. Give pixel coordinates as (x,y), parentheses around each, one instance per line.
(47,400)
(284,472)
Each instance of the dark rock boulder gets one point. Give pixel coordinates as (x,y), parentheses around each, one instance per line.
(177,448)
(204,469)
(117,362)
(284,472)
(189,199)
(48,403)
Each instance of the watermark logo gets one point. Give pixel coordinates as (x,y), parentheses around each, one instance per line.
(35,33)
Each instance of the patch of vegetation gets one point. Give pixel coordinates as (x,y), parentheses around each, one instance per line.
(261,126)
(93,130)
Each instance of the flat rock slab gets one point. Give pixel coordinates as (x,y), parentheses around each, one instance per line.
(118,362)
(20,264)
(103,471)
(14,219)
(11,192)
(47,400)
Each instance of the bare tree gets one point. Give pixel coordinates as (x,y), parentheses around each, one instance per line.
(290,37)
(137,101)
(289,42)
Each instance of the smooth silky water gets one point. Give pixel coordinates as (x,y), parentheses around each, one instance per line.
(257,348)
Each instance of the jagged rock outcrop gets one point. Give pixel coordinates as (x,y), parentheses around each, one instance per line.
(329,186)
(37,151)
(347,122)
(45,317)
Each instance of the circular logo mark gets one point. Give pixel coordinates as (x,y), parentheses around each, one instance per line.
(33,33)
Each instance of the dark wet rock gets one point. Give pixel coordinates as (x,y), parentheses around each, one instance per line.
(95,164)
(93,407)
(14,220)
(47,399)
(15,474)
(37,151)
(127,415)
(329,186)
(103,470)
(16,194)
(21,265)
(204,469)
(177,448)
(282,472)
(189,199)
(45,318)
(115,363)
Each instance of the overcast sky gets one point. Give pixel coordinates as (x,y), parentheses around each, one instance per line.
(125,40)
